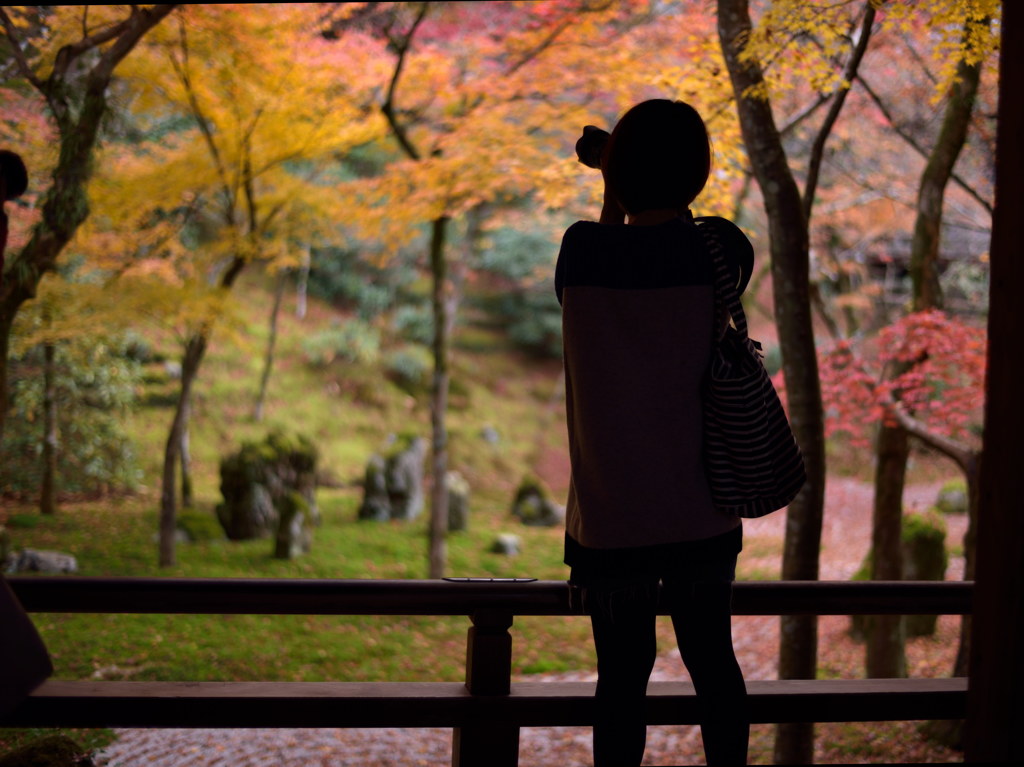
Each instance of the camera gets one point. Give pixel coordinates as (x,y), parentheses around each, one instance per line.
(591,144)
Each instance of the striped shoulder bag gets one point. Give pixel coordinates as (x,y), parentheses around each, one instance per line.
(753,463)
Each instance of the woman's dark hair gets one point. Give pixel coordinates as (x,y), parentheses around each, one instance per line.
(659,156)
(13,173)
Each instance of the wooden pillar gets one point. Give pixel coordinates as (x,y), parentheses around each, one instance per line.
(995,702)
(488,672)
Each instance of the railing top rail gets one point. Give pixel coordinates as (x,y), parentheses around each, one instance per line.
(283,596)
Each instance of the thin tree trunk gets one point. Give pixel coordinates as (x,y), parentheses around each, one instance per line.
(885,654)
(885,657)
(439,402)
(195,347)
(302,283)
(47,489)
(187,499)
(924,253)
(789,243)
(268,359)
(972,471)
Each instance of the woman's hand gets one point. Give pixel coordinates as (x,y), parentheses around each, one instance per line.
(611,211)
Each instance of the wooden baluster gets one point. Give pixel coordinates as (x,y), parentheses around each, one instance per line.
(488,672)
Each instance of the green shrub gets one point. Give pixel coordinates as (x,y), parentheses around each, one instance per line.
(96,386)
(414,322)
(23,521)
(350,280)
(534,321)
(409,367)
(352,341)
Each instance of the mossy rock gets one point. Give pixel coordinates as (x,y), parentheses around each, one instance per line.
(293,534)
(48,751)
(923,539)
(534,506)
(256,478)
(200,526)
(952,497)
(925,558)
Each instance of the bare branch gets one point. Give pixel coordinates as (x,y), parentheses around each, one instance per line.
(388,108)
(138,24)
(797,119)
(181,69)
(839,98)
(964,456)
(542,46)
(19,54)
(903,134)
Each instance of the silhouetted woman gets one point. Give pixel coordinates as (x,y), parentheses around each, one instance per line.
(637,317)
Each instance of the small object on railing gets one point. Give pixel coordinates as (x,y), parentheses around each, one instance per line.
(489,580)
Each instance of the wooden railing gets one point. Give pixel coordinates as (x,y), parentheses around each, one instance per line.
(487,711)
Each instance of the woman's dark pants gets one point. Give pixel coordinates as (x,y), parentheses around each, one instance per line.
(623,611)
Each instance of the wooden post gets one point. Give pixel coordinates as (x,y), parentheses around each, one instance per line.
(995,701)
(488,672)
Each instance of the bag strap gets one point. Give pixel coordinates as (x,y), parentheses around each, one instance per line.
(727,301)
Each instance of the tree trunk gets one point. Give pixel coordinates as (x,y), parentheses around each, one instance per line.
(439,402)
(302,284)
(268,359)
(885,633)
(973,475)
(924,251)
(47,489)
(195,347)
(187,499)
(924,265)
(788,236)
(885,646)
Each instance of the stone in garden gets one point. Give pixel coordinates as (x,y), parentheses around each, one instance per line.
(924,559)
(248,510)
(458,502)
(534,506)
(257,480)
(404,476)
(376,505)
(294,536)
(952,498)
(34,561)
(490,435)
(507,544)
(923,544)
(173,369)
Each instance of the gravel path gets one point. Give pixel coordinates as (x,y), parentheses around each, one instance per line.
(845,539)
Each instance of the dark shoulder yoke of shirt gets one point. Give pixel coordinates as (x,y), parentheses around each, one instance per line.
(647,257)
